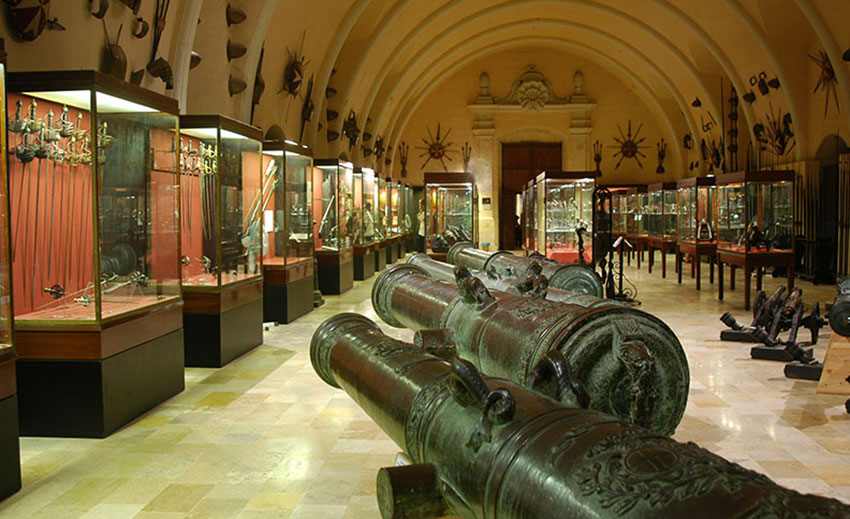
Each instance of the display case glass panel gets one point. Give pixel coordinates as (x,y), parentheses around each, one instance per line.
(287,214)
(528,212)
(696,200)
(619,210)
(225,190)
(638,204)
(394,207)
(6,340)
(755,211)
(565,208)
(364,207)
(410,208)
(94,198)
(451,210)
(333,184)
(662,213)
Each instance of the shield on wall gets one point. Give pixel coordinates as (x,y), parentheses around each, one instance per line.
(28,17)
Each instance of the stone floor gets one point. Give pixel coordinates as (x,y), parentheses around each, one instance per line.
(264,437)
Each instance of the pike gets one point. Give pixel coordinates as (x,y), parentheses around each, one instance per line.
(52,137)
(41,152)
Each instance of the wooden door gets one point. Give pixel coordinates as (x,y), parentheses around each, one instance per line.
(521,162)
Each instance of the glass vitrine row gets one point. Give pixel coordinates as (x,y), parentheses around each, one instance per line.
(451,212)
(638,206)
(564,214)
(662,212)
(695,201)
(225,190)
(755,211)
(94,192)
(287,226)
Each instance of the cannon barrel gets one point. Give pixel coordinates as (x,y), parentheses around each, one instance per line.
(494,281)
(569,277)
(839,314)
(630,362)
(486,447)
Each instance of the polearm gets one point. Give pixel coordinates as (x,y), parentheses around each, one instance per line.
(631,363)
(484,447)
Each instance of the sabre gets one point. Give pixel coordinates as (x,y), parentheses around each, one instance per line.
(24,152)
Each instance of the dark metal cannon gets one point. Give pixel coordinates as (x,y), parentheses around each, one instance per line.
(534,282)
(630,362)
(486,447)
(570,277)
(839,314)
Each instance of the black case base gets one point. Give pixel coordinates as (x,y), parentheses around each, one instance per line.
(93,398)
(213,340)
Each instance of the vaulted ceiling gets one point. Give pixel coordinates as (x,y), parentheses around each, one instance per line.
(383,57)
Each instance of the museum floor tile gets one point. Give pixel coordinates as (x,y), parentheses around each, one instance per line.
(264,437)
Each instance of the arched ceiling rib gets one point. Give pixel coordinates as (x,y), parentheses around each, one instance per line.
(642,89)
(374,91)
(631,60)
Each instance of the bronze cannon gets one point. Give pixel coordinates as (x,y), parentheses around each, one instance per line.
(573,277)
(839,314)
(484,447)
(631,363)
(534,282)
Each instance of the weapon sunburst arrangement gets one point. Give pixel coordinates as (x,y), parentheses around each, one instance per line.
(54,151)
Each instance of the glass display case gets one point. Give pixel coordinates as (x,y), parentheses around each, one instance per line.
(414,206)
(225,192)
(365,230)
(94,192)
(10,461)
(287,223)
(755,211)
(662,212)
(333,201)
(564,219)
(529,212)
(393,188)
(695,202)
(619,210)
(451,211)
(223,201)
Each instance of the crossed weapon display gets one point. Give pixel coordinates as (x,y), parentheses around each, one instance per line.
(63,142)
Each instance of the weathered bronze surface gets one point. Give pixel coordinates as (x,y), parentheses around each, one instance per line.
(534,282)
(484,447)
(630,362)
(839,314)
(570,277)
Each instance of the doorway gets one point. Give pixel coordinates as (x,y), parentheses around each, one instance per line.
(521,161)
